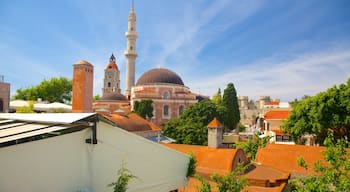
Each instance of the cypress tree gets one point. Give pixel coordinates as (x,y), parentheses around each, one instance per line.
(230,102)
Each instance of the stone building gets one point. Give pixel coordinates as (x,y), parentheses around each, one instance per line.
(167,91)
(4,95)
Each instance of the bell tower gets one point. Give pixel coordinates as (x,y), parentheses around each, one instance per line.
(130,52)
(111,81)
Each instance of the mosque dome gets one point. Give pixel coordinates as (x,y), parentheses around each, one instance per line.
(159,75)
(113,97)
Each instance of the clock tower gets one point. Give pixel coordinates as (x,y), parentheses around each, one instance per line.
(111,81)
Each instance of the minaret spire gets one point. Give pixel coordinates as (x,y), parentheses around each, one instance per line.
(130,52)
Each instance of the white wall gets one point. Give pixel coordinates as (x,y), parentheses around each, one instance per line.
(67,163)
(54,164)
(157,167)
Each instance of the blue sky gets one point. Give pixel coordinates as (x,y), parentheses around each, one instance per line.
(285,49)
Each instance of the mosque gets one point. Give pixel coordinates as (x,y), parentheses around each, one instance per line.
(164,87)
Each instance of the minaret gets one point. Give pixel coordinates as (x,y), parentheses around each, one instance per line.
(130,52)
(111,82)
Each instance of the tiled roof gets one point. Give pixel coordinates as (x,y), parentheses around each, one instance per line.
(266,176)
(112,66)
(277,114)
(209,160)
(273,103)
(132,122)
(214,123)
(284,157)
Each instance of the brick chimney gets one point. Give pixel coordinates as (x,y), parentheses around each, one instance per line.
(83,76)
(215,134)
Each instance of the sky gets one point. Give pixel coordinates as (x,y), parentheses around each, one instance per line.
(283,49)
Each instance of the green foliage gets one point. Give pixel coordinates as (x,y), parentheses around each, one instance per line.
(231,116)
(232,182)
(191,126)
(191,169)
(96,97)
(26,109)
(205,186)
(314,115)
(332,177)
(241,128)
(123,180)
(251,147)
(144,108)
(53,90)
(217,98)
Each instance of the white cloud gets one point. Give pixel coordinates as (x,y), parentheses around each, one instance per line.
(304,74)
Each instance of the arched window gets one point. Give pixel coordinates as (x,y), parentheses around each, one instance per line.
(109,84)
(166,95)
(181,109)
(166,111)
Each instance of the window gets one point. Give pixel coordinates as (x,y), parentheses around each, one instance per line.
(181,109)
(109,84)
(166,111)
(166,95)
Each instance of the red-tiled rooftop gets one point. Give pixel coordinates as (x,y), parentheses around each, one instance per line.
(209,160)
(273,103)
(132,122)
(277,114)
(284,157)
(214,123)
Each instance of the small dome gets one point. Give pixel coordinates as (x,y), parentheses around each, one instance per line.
(159,75)
(113,97)
(82,62)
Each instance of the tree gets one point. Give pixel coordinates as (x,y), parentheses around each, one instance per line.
(53,90)
(191,126)
(26,109)
(144,108)
(254,143)
(217,98)
(230,102)
(332,177)
(123,180)
(315,114)
(96,97)
(233,181)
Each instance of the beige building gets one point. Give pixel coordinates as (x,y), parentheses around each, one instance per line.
(167,91)
(81,152)
(4,95)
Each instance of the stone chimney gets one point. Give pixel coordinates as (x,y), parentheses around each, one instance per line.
(83,76)
(215,134)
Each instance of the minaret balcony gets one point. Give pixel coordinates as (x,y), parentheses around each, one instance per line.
(131,34)
(130,52)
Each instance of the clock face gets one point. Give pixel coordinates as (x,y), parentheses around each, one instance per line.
(109,74)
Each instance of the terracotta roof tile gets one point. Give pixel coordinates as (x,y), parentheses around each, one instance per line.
(132,122)
(273,103)
(284,157)
(214,123)
(277,114)
(209,160)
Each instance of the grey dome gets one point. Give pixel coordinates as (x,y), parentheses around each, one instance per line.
(159,75)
